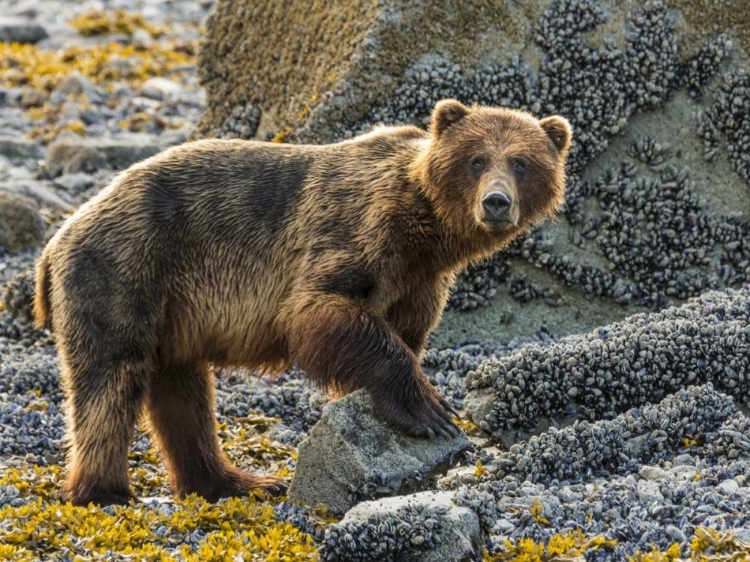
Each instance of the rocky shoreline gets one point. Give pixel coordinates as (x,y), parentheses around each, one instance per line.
(601,365)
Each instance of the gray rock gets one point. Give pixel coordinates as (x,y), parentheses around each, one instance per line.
(504,527)
(122,153)
(649,492)
(75,83)
(566,495)
(33,97)
(21,225)
(75,183)
(351,454)
(425,527)
(17,148)
(71,155)
(684,472)
(38,191)
(175,137)
(160,88)
(25,9)
(653,473)
(17,30)
(683,460)
(729,487)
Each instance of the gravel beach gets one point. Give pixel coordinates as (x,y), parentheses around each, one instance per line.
(601,364)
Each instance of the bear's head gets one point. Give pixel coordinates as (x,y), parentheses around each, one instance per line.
(494,171)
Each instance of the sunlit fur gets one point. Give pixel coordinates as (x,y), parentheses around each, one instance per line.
(250,254)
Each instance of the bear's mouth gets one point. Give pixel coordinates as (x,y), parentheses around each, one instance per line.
(497,226)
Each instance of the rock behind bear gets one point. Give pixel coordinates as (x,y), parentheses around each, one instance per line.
(337,257)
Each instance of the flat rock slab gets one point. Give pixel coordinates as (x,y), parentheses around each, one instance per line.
(18,30)
(424,527)
(352,455)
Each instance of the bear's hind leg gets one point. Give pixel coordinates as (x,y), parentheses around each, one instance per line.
(104,401)
(181,414)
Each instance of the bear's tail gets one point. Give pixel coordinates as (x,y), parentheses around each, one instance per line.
(42,309)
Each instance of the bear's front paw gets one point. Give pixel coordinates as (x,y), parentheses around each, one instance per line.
(428,415)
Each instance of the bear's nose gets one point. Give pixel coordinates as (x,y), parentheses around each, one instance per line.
(496,205)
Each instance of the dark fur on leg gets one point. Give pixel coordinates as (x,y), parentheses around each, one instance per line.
(181,414)
(343,347)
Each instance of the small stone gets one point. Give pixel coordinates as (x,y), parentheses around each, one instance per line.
(18,30)
(72,156)
(648,492)
(653,473)
(728,487)
(142,36)
(683,460)
(33,98)
(75,183)
(503,527)
(684,472)
(75,83)
(160,88)
(122,153)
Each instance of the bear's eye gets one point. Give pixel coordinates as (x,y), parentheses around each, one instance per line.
(477,165)
(519,166)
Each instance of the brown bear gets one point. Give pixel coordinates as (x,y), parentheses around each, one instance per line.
(338,258)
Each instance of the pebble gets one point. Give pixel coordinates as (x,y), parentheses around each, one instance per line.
(160,88)
(653,473)
(75,183)
(728,487)
(75,84)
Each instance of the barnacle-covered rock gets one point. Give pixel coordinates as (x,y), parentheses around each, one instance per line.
(352,455)
(614,368)
(19,294)
(21,225)
(423,527)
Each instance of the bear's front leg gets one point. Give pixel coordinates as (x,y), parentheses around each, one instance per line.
(417,313)
(341,345)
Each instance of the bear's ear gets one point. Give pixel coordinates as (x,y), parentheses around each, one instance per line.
(558,130)
(445,114)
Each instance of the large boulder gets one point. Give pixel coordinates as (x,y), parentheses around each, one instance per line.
(352,455)
(657,205)
(315,70)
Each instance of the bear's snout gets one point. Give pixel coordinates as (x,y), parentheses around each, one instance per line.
(496,206)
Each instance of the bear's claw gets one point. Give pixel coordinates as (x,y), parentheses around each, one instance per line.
(430,416)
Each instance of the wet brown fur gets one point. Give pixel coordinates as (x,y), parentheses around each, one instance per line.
(235,253)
